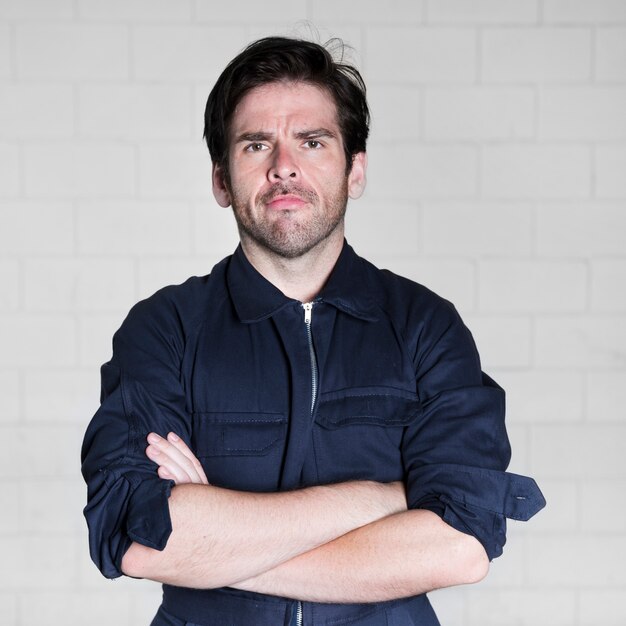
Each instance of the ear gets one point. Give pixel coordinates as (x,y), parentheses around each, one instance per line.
(356,177)
(220,189)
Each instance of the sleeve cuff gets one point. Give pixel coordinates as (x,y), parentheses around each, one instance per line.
(475,501)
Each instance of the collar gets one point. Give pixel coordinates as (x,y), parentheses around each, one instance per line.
(349,288)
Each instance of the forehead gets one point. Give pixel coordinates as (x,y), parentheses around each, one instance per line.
(284,103)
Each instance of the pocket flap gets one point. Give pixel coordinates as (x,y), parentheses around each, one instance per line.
(366,405)
(245,434)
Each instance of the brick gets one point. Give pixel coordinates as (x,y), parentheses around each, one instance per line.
(610,57)
(183,53)
(563,451)
(536,171)
(37,340)
(602,606)
(35,459)
(395,11)
(395,110)
(503,341)
(10,168)
(603,519)
(580,230)
(421,172)
(427,55)
(9,279)
(135,10)
(532,286)
(135,111)
(24,114)
(584,11)
(512,55)
(592,341)
(72,52)
(36,9)
(519,438)
(606,396)
(479,113)
(6,51)
(377,231)
(144,605)
(8,609)
(175,170)
(70,608)
(453,279)
(562,511)
(133,228)
(477,230)
(200,91)
(37,562)
(215,231)
(54,285)
(606,276)
(9,520)
(54,233)
(279,10)
(575,560)
(9,396)
(50,505)
(79,170)
(544,396)
(522,607)
(483,11)
(610,164)
(95,336)
(61,396)
(588,113)
(449,605)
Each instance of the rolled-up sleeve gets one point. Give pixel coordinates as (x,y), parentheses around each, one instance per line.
(456,454)
(141,393)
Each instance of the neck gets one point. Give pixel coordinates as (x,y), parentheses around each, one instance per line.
(303,277)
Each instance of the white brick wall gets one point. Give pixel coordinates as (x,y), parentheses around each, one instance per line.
(497,165)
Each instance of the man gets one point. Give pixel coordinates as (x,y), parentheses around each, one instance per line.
(322,445)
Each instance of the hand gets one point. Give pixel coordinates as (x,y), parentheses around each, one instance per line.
(175,460)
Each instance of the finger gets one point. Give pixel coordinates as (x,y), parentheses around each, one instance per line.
(181,446)
(167,468)
(166,455)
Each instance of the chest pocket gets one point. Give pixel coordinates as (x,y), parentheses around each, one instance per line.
(240,450)
(358,433)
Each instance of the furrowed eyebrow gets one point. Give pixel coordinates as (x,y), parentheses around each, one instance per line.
(251,137)
(316,133)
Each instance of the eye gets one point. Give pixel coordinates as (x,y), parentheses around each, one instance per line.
(255,147)
(314,144)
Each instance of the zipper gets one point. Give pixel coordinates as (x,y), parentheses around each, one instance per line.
(308,314)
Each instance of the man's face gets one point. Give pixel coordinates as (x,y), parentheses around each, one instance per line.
(287,180)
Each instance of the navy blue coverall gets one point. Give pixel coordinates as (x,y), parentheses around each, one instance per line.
(378,380)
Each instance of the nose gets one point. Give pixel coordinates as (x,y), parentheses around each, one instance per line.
(283,165)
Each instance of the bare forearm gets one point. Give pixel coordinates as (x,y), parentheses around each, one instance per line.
(402,555)
(221,536)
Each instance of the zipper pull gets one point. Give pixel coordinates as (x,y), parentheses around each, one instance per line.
(308,312)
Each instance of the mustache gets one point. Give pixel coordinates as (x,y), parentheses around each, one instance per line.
(281,189)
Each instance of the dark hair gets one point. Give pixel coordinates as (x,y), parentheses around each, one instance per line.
(276,59)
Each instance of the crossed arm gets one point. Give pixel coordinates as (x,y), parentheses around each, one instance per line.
(348,542)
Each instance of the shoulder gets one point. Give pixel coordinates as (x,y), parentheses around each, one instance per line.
(403,298)
(172,312)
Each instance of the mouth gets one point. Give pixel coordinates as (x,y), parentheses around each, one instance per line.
(286,201)
(285,198)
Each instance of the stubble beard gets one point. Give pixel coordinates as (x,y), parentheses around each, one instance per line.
(289,236)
